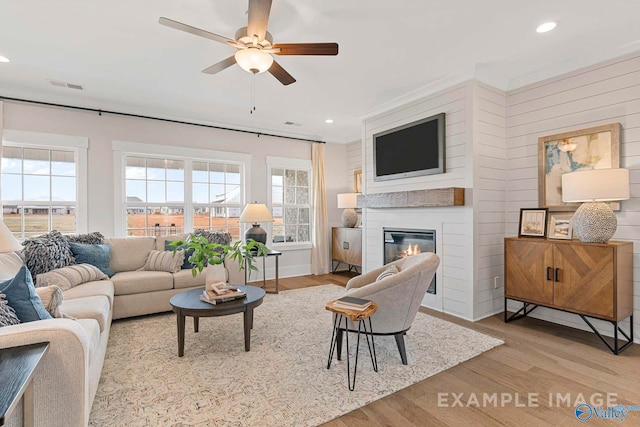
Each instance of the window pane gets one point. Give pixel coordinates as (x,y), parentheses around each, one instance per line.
(290,178)
(233,194)
(278,233)
(36,161)
(277,212)
(201,218)
(303,233)
(155,191)
(277,177)
(290,195)
(11,187)
(302,179)
(136,191)
(137,221)
(200,172)
(175,170)
(63,188)
(63,218)
(36,188)
(155,169)
(216,173)
(175,192)
(200,193)
(36,219)
(290,233)
(303,216)
(135,168)
(291,216)
(12,216)
(63,163)
(277,195)
(217,193)
(233,174)
(302,195)
(11,160)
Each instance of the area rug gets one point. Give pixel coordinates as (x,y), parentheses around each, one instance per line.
(282,381)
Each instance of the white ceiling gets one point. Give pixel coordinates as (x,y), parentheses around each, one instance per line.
(388,49)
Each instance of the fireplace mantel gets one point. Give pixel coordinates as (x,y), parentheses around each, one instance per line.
(435,197)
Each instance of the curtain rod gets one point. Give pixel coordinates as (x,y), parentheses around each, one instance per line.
(118,113)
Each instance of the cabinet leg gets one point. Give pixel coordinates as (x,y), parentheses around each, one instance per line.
(616,348)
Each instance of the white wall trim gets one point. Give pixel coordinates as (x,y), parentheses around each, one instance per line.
(291,162)
(177,151)
(39,139)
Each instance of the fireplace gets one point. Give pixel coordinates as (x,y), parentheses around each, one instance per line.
(400,243)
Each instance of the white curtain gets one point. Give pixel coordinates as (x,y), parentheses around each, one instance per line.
(320,233)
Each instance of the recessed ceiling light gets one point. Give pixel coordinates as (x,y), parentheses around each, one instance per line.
(328,121)
(546,27)
(4,59)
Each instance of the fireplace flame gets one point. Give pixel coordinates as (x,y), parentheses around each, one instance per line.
(411,250)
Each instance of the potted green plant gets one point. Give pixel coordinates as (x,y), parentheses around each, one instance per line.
(206,254)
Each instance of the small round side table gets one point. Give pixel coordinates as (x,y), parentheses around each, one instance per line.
(359,316)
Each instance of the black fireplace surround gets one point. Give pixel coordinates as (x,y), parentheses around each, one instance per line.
(402,242)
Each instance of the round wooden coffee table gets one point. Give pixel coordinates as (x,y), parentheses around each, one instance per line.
(188,304)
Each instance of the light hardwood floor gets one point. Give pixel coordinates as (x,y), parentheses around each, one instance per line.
(539,361)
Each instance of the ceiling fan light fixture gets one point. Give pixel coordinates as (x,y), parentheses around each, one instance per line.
(253,60)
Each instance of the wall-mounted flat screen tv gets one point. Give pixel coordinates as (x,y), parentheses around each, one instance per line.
(409,150)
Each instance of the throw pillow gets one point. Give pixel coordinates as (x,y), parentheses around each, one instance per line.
(51,297)
(388,272)
(97,255)
(22,297)
(7,313)
(47,252)
(67,277)
(163,261)
(220,237)
(186,265)
(95,238)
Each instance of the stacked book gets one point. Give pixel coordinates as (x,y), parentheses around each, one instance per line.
(220,292)
(352,303)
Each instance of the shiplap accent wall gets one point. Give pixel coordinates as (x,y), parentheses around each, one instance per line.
(604,93)
(354,161)
(454,226)
(489,198)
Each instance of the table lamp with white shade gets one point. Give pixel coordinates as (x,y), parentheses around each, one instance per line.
(10,263)
(348,202)
(256,213)
(594,221)
(8,242)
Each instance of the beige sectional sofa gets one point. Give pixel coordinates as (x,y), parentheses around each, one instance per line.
(66,382)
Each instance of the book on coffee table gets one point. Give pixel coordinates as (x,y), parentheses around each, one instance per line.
(211,297)
(352,303)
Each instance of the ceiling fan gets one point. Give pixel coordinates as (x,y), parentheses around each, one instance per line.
(255,44)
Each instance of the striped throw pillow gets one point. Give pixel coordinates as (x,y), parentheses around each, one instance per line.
(163,261)
(67,277)
(390,271)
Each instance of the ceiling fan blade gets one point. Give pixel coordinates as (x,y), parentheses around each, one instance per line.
(258,18)
(281,74)
(196,31)
(305,48)
(216,68)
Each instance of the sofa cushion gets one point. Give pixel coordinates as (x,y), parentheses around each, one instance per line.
(129,254)
(51,297)
(90,289)
(10,263)
(137,282)
(73,275)
(7,314)
(161,241)
(21,296)
(96,308)
(187,253)
(47,252)
(388,272)
(163,261)
(95,238)
(92,328)
(184,279)
(97,255)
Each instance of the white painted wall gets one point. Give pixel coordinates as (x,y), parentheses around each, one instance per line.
(604,93)
(102,130)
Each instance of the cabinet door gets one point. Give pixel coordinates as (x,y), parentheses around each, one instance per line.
(585,279)
(526,264)
(354,238)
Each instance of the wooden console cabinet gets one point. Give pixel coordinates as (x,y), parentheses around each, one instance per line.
(346,247)
(589,279)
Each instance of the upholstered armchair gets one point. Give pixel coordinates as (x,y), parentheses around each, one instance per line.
(398,296)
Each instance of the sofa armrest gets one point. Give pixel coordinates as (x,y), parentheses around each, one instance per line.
(60,383)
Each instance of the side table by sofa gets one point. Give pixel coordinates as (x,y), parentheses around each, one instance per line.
(247,273)
(355,316)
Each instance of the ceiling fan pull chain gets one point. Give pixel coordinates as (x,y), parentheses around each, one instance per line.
(253,93)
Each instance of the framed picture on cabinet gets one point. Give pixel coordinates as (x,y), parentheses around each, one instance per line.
(560,226)
(533,222)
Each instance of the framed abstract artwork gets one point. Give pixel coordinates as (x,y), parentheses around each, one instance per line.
(592,148)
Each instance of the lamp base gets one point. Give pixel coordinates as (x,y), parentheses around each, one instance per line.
(349,218)
(594,222)
(256,233)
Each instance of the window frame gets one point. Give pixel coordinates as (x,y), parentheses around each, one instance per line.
(56,142)
(122,149)
(274,162)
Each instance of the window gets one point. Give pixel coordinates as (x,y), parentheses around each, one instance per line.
(39,189)
(178,194)
(291,204)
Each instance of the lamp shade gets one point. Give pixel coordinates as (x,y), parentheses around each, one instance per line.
(8,242)
(348,200)
(256,212)
(595,185)
(253,60)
